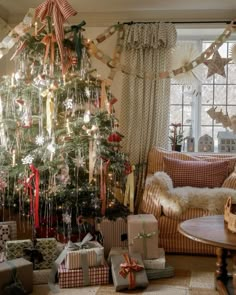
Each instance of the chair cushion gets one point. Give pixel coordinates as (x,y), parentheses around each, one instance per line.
(196,173)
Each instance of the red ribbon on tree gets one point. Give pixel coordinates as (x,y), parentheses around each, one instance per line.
(103,179)
(60,11)
(129,267)
(35,175)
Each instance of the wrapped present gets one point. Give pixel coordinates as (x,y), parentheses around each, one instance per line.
(47,247)
(17,272)
(114,233)
(143,235)
(40,276)
(158,263)
(86,276)
(4,235)
(93,252)
(116,251)
(128,272)
(166,272)
(13,228)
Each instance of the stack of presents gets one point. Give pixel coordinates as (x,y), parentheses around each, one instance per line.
(132,262)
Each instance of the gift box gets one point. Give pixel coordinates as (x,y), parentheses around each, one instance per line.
(23,270)
(125,277)
(47,247)
(94,255)
(73,278)
(166,272)
(158,263)
(116,251)
(114,233)
(4,235)
(13,228)
(40,276)
(143,235)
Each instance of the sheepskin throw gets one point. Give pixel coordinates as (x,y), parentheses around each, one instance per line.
(179,199)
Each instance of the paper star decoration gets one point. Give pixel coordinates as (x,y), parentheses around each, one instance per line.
(216,65)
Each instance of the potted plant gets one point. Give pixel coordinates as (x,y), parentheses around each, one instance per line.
(176,137)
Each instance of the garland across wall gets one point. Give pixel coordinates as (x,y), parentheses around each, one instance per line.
(114,62)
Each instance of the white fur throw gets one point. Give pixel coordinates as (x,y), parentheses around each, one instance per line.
(179,199)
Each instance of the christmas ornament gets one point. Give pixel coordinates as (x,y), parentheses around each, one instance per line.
(27,160)
(39,140)
(216,65)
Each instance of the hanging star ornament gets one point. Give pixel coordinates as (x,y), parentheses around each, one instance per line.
(216,65)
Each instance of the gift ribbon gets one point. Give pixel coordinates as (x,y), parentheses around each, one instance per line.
(49,41)
(144,236)
(129,190)
(35,175)
(69,247)
(128,268)
(103,176)
(60,10)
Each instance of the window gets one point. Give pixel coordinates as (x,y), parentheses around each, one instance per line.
(189,104)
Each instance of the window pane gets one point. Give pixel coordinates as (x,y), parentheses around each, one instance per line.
(220,94)
(187,114)
(231,110)
(232,93)
(207,94)
(231,73)
(206,119)
(220,79)
(176,94)
(175,114)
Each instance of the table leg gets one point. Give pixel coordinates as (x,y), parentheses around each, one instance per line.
(234,270)
(221,264)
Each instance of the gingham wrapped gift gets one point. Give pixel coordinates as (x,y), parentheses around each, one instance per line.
(87,276)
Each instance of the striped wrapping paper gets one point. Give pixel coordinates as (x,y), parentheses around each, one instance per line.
(94,256)
(73,278)
(114,233)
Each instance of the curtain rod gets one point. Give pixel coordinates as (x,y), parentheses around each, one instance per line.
(181,22)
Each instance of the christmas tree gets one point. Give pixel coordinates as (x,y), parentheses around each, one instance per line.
(60,151)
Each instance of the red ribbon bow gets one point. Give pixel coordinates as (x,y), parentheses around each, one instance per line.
(128,268)
(60,10)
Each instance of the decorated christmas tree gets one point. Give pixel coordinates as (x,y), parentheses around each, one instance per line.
(60,152)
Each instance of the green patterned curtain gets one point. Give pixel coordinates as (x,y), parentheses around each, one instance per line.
(144,112)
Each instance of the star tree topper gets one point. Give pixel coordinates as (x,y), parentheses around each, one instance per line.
(216,65)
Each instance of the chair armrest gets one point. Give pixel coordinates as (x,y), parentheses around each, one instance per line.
(230,181)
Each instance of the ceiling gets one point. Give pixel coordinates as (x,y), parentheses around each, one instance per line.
(107,12)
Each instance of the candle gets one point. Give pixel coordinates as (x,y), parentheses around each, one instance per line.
(35,28)
(13,158)
(64,80)
(68,126)
(12,79)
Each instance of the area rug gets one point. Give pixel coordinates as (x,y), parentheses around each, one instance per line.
(193,276)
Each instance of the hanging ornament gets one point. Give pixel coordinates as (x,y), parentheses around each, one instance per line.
(39,140)
(87,91)
(212,112)
(114,137)
(68,103)
(87,116)
(216,65)
(233,52)
(66,217)
(182,57)
(27,160)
